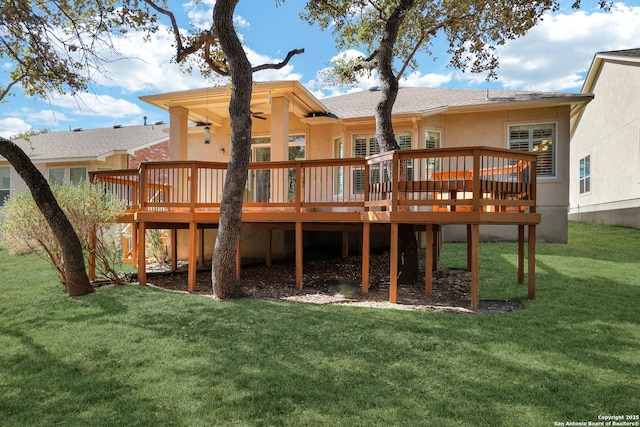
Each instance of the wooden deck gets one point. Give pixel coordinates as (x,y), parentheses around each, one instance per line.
(427,188)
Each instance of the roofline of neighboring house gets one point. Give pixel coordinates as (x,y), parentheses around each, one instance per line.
(596,65)
(592,77)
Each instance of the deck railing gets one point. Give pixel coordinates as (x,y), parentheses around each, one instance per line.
(440,180)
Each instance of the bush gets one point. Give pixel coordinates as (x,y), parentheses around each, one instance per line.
(25,230)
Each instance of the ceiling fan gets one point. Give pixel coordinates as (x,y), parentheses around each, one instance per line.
(258,115)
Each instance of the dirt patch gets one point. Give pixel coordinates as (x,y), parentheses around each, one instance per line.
(334,280)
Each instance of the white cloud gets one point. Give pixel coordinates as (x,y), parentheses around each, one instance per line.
(556,53)
(86,104)
(417,79)
(12,126)
(240,22)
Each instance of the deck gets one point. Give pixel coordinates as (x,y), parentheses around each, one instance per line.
(426,188)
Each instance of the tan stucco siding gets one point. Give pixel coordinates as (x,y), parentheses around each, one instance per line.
(609,132)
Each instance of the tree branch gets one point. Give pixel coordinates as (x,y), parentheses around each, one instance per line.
(279,65)
(10,85)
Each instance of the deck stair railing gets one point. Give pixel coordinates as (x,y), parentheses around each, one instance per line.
(478,179)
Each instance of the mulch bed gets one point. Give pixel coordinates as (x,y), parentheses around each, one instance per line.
(334,280)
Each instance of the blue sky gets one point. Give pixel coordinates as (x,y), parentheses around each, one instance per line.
(554,56)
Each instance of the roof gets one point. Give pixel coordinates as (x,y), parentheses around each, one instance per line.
(211,105)
(631,56)
(426,101)
(92,144)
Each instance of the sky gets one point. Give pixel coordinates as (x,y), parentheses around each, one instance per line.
(553,56)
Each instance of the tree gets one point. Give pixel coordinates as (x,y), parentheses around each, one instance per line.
(219,50)
(47,44)
(392,32)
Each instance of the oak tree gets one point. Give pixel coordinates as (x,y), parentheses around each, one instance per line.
(393,32)
(220,51)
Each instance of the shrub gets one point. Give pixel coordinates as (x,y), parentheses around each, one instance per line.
(25,230)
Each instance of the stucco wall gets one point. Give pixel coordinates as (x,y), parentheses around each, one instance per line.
(609,132)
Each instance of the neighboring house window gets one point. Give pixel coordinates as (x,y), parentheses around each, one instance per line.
(5,183)
(367,145)
(77,175)
(585,174)
(539,138)
(338,173)
(57,176)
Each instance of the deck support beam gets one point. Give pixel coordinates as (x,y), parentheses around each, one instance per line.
(142,259)
(134,243)
(193,256)
(366,243)
(174,249)
(520,254)
(299,257)
(428,260)
(393,261)
(345,244)
(532,263)
(92,254)
(475,264)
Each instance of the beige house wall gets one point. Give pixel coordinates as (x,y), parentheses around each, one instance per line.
(609,132)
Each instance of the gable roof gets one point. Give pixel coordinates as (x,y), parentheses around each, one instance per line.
(428,101)
(630,56)
(92,144)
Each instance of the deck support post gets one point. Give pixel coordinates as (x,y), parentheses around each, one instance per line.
(520,254)
(92,254)
(134,243)
(469,254)
(201,234)
(428,260)
(174,249)
(393,268)
(268,260)
(437,243)
(475,264)
(366,242)
(532,262)
(345,244)
(142,261)
(193,256)
(299,257)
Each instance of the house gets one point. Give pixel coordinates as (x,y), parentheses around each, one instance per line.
(291,123)
(469,159)
(68,156)
(605,143)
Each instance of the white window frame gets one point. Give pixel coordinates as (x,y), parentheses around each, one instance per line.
(372,148)
(584,169)
(5,190)
(537,144)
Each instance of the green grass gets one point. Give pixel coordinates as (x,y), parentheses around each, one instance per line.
(133,355)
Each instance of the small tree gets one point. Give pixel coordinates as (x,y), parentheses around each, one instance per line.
(25,230)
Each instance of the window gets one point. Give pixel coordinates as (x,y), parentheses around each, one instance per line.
(297,147)
(367,145)
(432,139)
(5,183)
(585,174)
(540,139)
(77,175)
(57,176)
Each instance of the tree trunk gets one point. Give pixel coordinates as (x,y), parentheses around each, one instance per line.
(407,244)
(224,276)
(76,279)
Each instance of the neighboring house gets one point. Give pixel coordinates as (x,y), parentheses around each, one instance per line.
(67,157)
(605,144)
(291,123)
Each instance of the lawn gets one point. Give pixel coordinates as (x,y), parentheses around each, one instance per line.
(133,355)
